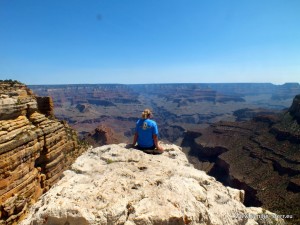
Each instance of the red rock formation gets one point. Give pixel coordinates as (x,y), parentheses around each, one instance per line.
(102,135)
(34,149)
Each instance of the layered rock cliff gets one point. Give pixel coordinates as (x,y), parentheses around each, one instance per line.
(35,149)
(113,184)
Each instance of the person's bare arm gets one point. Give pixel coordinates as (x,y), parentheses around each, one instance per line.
(158,147)
(135,139)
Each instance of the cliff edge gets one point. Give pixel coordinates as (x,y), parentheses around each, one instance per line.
(294,110)
(35,149)
(113,184)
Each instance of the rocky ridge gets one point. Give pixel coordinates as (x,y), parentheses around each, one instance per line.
(113,184)
(35,149)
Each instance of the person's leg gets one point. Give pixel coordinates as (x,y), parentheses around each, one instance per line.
(150,150)
(157,152)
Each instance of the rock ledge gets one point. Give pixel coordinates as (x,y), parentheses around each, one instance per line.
(115,185)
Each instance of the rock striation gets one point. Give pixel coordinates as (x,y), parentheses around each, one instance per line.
(35,149)
(113,184)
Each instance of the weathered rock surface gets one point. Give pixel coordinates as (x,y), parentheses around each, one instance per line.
(15,100)
(115,185)
(34,149)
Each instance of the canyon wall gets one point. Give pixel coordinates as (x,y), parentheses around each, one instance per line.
(35,148)
(176,107)
(250,154)
(260,156)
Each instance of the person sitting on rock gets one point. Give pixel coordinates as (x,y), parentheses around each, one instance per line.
(146,134)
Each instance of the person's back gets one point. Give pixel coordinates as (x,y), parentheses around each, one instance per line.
(146,133)
(146,128)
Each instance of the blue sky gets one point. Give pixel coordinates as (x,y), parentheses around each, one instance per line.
(154,41)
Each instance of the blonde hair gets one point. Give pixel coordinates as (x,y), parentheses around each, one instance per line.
(146,113)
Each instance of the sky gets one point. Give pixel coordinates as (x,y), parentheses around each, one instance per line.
(154,41)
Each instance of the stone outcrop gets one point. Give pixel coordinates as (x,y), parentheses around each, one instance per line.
(34,149)
(113,184)
(15,100)
(295,108)
(102,135)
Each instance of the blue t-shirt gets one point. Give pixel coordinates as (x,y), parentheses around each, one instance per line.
(146,128)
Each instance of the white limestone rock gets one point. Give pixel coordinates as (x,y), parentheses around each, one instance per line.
(115,185)
(13,106)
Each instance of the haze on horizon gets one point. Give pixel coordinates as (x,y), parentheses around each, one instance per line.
(136,42)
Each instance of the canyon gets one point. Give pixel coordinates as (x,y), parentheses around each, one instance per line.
(35,149)
(176,107)
(260,156)
(245,135)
